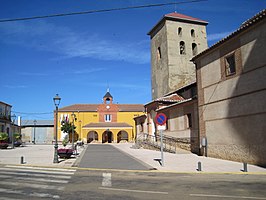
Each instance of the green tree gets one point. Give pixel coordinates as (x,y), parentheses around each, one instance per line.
(3,136)
(16,136)
(67,127)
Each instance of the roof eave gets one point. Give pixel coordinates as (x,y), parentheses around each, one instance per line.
(256,19)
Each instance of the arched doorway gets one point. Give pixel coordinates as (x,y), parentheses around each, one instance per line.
(122,136)
(107,137)
(91,136)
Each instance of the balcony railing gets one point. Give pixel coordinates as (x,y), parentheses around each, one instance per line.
(5,117)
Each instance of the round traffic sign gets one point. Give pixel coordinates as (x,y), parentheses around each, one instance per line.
(160,119)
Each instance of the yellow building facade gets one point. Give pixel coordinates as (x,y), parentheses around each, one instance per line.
(101,123)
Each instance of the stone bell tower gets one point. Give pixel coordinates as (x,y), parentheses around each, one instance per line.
(175,39)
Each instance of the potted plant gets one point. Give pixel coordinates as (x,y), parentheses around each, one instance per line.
(65,152)
(3,140)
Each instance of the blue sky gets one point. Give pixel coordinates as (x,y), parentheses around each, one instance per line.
(79,56)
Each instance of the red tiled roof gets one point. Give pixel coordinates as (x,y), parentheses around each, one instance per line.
(184,17)
(175,104)
(80,107)
(107,125)
(93,108)
(177,17)
(172,98)
(245,25)
(131,107)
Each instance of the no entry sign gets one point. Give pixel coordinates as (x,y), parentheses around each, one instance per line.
(160,119)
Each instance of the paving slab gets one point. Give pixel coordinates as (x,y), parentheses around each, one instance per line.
(185,161)
(39,155)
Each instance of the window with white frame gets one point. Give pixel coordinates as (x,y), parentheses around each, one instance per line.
(108,118)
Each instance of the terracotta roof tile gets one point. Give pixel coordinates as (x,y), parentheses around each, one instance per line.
(176,17)
(184,17)
(80,107)
(172,98)
(131,107)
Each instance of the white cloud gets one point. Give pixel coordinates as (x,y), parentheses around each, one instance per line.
(218,36)
(32,74)
(120,85)
(70,43)
(15,86)
(88,71)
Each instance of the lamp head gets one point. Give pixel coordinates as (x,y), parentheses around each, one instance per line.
(13,118)
(57,100)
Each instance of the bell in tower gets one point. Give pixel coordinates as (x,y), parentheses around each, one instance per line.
(108,99)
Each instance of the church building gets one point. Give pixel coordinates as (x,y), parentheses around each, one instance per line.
(101,123)
(175,39)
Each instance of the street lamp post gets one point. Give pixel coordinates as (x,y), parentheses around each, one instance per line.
(57,100)
(13,118)
(73,119)
(34,131)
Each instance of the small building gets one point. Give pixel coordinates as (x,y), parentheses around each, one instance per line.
(180,108)
(175,39)
(102,123)
(231,81)
(37,131)
(6,124)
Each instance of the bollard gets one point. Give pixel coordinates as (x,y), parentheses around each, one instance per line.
(245,167)
(199,167)
(21,160)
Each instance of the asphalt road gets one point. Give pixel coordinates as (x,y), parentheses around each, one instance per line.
(125,185)
(104,156)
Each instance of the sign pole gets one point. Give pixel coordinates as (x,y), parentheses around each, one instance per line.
(161,120)
(162,159)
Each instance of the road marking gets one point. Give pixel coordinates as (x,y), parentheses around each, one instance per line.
(6,198)
(107,180)
(37,175)
(35,179)
(137,191)
(34,194)
(40,171)
(42,168)
(30,185)
(225,196)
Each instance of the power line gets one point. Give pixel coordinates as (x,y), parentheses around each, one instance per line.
(25,113)
(99,11)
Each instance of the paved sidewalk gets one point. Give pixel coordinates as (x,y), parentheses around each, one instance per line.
(185,161)
(39,155)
